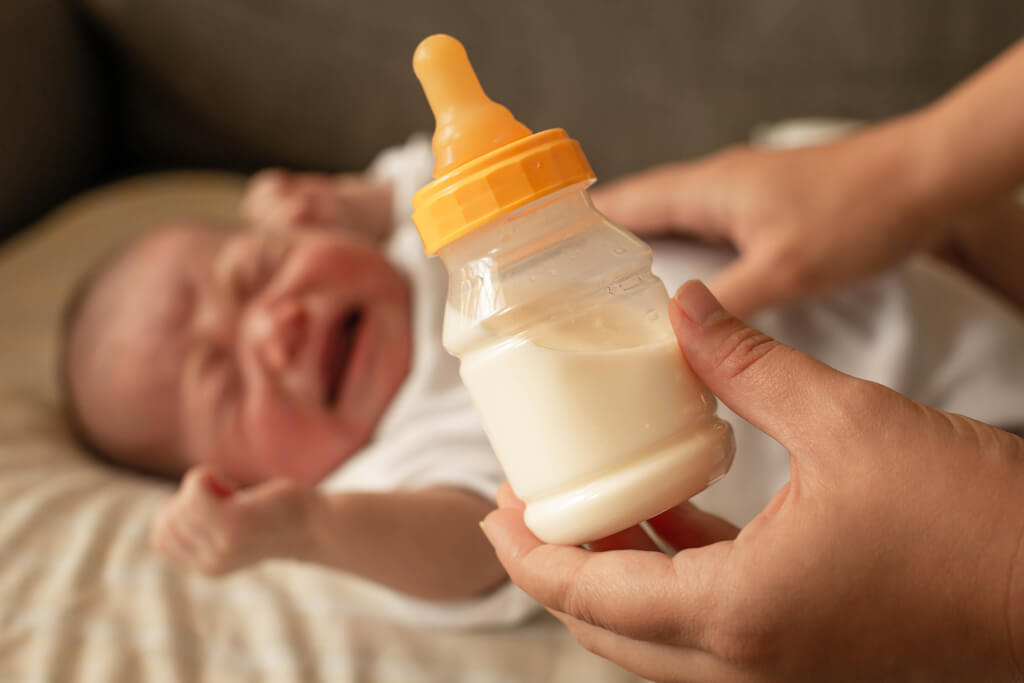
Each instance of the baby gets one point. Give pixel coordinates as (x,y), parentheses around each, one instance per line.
(294,373)
(291,374)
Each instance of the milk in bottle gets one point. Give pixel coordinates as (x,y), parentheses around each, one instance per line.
(561,329)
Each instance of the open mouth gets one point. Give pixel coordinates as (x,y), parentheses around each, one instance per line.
(339,355)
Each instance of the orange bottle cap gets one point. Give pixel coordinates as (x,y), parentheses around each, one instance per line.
(486,162)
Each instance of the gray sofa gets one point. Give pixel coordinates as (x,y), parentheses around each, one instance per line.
(98,89)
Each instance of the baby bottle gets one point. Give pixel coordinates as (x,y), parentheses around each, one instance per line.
(561,330)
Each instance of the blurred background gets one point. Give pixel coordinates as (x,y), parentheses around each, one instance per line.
(94,90)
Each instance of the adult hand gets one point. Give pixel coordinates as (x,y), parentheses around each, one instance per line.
(892,553)
(208,527)
(804,221)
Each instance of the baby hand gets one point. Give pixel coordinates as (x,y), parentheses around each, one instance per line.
(208,527)
(280,200)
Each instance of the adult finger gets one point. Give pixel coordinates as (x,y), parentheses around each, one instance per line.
(687,526)
(749,284)
(790,396)
(506,497)
(658,199)
(635,593)
(654,661)
(633,538)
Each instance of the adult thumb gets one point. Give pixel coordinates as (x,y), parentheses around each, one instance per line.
(785,393)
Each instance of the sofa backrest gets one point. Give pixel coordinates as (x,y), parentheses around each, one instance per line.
(325,84)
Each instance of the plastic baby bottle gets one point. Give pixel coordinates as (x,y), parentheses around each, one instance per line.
(561,329)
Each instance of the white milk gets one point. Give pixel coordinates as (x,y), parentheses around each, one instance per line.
(597,421)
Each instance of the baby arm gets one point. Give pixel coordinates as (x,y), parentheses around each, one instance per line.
(426,543)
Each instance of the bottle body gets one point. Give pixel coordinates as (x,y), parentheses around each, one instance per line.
(566,349)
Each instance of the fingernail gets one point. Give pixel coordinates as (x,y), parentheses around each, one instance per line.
(698,303)
(499,538)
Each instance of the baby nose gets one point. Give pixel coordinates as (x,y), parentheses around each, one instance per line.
(278,330)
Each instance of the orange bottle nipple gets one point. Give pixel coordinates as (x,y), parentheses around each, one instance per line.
(469,123)
(486,164)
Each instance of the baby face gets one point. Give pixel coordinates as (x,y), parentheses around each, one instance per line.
(263,354)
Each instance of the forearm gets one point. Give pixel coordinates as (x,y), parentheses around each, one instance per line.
(989,245)
(426,543)
(962,161)
(971,147)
